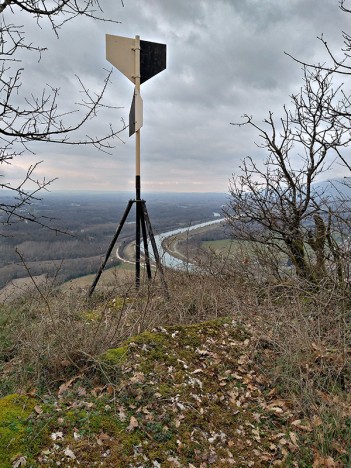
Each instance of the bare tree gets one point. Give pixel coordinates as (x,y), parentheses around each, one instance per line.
(276,204)
(25,119)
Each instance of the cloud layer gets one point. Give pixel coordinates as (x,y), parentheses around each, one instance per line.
(225,58)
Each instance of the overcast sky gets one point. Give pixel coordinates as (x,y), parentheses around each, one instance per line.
(224,58)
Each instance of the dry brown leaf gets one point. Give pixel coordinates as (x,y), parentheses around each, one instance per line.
(81,391)
(88,404)
(97,390)
(242,359)
(338,447)
(293,438)
(65,386)
(38,409)
(138,377)
(316,421)
(133,423)
(316,347)
(302,427)
(233,395)
(236,376)
(321,461)
(266,457)
(102,438)
(256,434)
(276,409)
(257,417)
(281,403)
(65,363)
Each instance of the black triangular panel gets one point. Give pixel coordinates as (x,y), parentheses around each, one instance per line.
(132,118)
(152,59)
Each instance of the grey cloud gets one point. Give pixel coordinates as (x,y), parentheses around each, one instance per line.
(225,58)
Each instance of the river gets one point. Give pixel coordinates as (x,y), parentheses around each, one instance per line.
(167,259)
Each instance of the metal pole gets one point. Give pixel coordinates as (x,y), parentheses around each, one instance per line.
(137,168)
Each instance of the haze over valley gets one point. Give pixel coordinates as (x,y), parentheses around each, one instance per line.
(82,226)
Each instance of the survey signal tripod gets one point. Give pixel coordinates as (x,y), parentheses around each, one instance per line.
(138,61)
(143,222)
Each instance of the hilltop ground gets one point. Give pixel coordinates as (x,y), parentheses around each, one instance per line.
(228,370)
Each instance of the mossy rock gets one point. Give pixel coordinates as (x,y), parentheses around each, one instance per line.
(14,412)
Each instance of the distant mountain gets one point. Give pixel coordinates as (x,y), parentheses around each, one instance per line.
(334,188)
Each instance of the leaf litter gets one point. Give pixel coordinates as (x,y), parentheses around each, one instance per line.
(184,396)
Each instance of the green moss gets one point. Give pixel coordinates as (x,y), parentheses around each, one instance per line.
(115,356)
(129,441)
(104,423)
(118,303)
(14,412)
(123,448)
(165,390)
(91,315)
(185,338)
(92,421)
(149,338)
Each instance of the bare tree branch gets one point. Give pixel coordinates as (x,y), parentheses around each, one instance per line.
(27,119)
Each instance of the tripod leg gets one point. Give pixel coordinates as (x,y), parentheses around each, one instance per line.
(154,247)
(118,231)
(146,248)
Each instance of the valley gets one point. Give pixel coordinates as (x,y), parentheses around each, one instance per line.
(81,227)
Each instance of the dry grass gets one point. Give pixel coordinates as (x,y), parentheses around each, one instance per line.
(302,335)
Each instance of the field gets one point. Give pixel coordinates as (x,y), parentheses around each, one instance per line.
(124,270)
(226,247)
